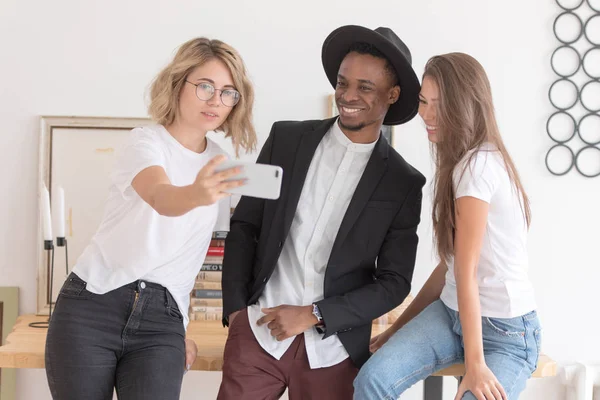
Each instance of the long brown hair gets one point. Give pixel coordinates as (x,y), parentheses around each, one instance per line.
(465,121)
(164,92)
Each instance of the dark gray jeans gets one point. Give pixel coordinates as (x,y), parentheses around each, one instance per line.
(131,339)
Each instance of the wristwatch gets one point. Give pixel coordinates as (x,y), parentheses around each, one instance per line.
(317,313)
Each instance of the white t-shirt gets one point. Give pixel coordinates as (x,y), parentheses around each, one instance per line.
(504,287)
(133,241)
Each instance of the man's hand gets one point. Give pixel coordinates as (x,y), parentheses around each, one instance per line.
(287,321)
(191,351)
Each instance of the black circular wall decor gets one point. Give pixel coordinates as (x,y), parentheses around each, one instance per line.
(560,54)
(564,7)
(574,125)
(593,21)
(555,148)
(591,62)
(563,82)
(564,18)
(595,7)
(587,91)
(555,117)
(577,162)
(586,126)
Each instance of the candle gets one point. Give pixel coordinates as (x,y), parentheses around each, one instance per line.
(58,207)
(46,219)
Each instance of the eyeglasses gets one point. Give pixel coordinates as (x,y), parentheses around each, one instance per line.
(206,91)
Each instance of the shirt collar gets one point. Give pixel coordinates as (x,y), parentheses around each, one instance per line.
(342,139)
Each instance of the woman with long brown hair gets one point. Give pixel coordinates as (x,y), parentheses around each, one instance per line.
(478,306)
(121,316)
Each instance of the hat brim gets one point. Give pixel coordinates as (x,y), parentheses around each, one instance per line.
(336,47)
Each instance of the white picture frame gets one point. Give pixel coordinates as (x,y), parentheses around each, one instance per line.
(75,153)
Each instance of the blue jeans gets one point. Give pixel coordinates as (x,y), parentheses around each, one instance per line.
(433,340)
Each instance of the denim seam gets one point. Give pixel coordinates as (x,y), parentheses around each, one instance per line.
(525,339)
(536,334)
(427,367)
(510,390)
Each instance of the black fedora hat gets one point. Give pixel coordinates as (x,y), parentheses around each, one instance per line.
(338,43)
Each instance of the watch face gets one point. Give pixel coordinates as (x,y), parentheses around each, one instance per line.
(317,312)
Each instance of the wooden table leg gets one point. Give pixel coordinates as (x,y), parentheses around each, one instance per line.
(432,388)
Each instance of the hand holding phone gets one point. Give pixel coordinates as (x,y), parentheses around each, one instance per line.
(211,185)
(259,180)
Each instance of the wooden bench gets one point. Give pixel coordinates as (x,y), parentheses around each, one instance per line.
(433,386)
(25,346)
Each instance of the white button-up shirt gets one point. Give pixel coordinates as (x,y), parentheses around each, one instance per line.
(299,276)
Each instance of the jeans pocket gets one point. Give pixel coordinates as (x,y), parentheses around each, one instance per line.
(509,327)
(74,287)
(171,308)
(174,313)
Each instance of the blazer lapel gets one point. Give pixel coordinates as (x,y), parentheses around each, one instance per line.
(374,170)
(306,150)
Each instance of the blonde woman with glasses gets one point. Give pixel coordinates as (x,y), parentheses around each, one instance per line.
(121,316)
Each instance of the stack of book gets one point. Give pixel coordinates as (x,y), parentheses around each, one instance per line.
(206,302)
(206,299)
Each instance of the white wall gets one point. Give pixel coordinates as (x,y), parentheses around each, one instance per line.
(85,58)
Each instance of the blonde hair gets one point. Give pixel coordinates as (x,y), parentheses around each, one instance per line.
(165,89)
(466,120)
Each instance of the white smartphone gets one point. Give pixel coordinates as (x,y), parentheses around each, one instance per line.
(262,180)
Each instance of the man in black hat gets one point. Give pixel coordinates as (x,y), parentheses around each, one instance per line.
(304,276)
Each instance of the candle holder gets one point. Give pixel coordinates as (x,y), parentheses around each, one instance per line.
(62,242)
(49,247)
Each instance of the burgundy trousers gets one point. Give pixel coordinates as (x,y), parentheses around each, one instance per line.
(250,373)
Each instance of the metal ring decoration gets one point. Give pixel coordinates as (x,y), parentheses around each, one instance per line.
(586,27)
(548,127)
(576,96)
(576,162)
(593,81)
(589,2)
(566,24)
(570,166)
(592,114)
(581,28)
(569,9)
(579,60)
(595,48)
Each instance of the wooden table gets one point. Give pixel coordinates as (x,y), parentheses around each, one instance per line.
(25,345)
(25,349)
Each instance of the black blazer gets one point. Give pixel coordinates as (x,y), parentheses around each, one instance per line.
(370,268)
